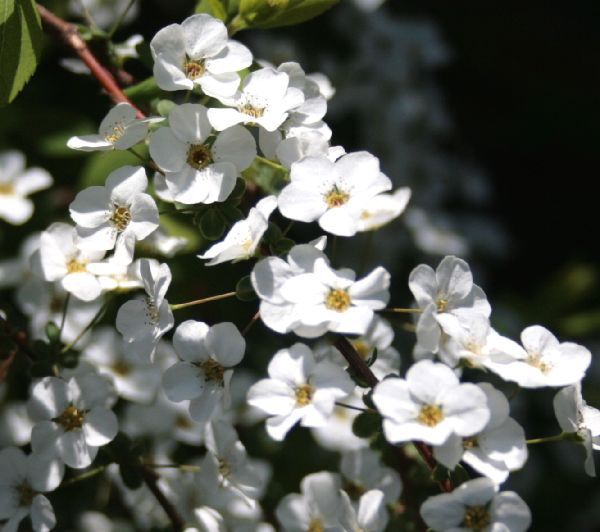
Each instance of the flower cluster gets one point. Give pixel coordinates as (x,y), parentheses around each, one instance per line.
(239,121)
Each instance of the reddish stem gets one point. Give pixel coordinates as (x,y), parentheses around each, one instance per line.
(69,35)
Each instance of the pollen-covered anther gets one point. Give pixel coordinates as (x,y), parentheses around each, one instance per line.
(26,494)
(213,371)
(199,156)
(224,469)
(252,110)
(476,518)
(304,394)
(76,266)
(316,525)
(536,360)
(121,368)
(338,300)
(430,415)
(121,216)
(441,304)
(336,197)
(194,69)
(6,189)
(470,443)
(152,314)
(117,131)
(71,419)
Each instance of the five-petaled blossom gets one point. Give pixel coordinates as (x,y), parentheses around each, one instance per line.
(204,374)
(197,52)
(200,168)
(143,322)
(337,194)
(73,418)
(115,215)
(298,389)
(474,506)
(430,405)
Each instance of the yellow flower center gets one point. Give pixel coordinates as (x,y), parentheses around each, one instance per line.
(536,360)
(199,156)
(252,110)
(315,525)
(194,69)
(213,371)
(118,130)
(476,518)
(363,350)
(121,368)
(224,469)
(304,394)
(152,313)
(441,304)
(121,216)
(430,415)
(76,266)
(7,189)
(183,422)
(71,419)
(26,493)
(336,197)
(354,490)
(470,443)
(337,300)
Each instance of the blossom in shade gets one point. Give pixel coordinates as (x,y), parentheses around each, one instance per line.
(369,515)
(16,183)
(474,506)
(143,322)
(23,481)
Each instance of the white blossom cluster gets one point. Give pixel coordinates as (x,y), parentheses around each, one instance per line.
(193,388)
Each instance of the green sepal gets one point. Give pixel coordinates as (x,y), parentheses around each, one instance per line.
(366,424)
(212,224)
(244,290)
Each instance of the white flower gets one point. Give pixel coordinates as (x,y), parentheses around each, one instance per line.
(439,294)
(495,451)
(134,380)
(264,99)
(575,416)
(474,506)
(242,239)
(16,184)
(326,299)
(117,276)
(208,355)
(198,52)
(115,215)
(370,516)
(227,458)
(318,507)
(430,405)
(23,479)
(73,418)
(383,208)
(545,361)
(364,471)
(470,338)
(143,322)
(334,193)
(299,389)
(199,170)
(162,242)
(119,130)
(61,260)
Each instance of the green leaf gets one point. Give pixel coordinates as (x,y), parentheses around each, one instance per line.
(282,246)
(244,290)
(52,332)
(366,424)
(212,224)
(275,13)
(230,213)
(144,90)
(216,8)
(164,107)
(20,46)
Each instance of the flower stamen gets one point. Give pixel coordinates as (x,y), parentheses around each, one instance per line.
(199,156)
(304,394)
(477,518)
(71,419)
(430,415)
(213,371)
(121,216)
(338,300)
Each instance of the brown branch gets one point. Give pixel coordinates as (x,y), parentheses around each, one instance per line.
(21,343)
(361,369)
(151,480)
(68,34)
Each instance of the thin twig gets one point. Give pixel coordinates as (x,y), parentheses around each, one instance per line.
(179,306)
(251,323)
(69,35)
(360,368)
(151,480)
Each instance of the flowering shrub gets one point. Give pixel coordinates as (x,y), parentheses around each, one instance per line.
(159,401)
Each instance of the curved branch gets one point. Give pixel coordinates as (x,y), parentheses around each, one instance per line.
(69,35)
